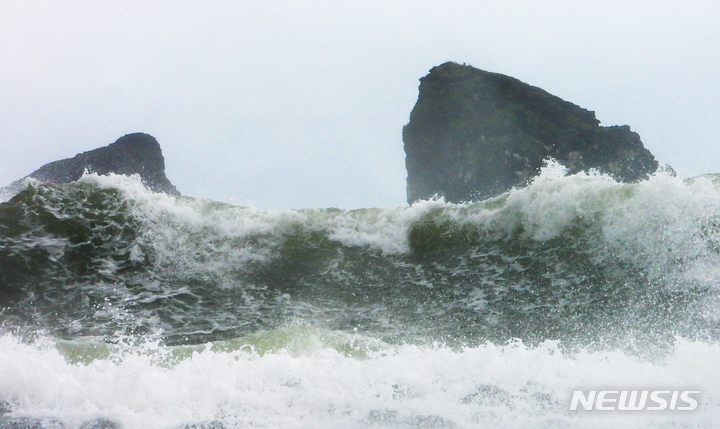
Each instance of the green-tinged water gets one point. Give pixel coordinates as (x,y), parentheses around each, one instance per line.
(127,309)
(85,259)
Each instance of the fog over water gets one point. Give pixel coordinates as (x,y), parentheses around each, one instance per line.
(291,105)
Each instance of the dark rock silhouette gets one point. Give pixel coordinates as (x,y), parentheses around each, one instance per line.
(136,153)
(474,134)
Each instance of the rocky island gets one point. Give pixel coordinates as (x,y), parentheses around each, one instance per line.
(136,153)
(474,134)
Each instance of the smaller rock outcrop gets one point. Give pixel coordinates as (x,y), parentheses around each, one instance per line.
(474,134)
(137,153)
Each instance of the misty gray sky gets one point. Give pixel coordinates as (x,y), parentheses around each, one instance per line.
(295,104)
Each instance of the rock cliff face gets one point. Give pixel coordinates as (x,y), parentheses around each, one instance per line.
(136,153)
(474,134)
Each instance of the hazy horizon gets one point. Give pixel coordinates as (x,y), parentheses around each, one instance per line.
(284,105)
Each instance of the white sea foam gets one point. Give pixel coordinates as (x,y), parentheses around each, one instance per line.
(544,209)
(666,224)
(488,386)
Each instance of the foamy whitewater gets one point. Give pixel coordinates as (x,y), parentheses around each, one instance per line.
(121,308)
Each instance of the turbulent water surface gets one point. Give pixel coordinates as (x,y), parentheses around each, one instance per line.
(125,308)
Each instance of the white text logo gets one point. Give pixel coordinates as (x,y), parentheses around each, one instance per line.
(635,400)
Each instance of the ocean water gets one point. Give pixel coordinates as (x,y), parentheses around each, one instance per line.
(121,308)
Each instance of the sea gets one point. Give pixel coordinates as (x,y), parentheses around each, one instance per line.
(124,308)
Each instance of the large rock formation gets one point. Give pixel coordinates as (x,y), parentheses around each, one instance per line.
(136,153)
(474,134)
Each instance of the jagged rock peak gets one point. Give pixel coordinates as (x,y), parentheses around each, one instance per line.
(474,134)
(136,153)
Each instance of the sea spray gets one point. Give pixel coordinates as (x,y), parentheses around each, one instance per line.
(489,385)
(166,312)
